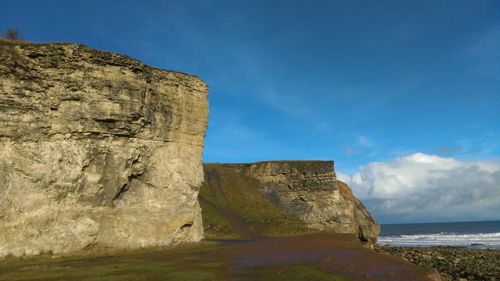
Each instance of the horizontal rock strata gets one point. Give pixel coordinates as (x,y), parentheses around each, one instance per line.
(311,191)
(96,150)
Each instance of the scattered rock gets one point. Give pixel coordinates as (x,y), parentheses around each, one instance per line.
(453,263)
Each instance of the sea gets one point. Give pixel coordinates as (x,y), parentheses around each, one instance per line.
(481,235)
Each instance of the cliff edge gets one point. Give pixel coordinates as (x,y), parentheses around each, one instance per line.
(311,191)
(96,150)
(281,198)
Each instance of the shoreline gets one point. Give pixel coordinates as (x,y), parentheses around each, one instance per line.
(453,263)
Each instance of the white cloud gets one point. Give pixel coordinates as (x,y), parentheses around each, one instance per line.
(422,187)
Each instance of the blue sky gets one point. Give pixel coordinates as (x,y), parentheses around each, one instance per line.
(359,82)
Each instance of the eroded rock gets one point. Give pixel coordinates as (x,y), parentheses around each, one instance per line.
(96,149)
(311,191)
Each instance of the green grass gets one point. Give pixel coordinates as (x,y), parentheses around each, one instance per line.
(181,263)
(216,225)
(204,262)
(233,207)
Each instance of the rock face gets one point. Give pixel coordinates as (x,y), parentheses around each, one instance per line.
(96,149)
(310,190)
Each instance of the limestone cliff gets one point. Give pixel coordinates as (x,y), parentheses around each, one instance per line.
(96,149)
(310,190)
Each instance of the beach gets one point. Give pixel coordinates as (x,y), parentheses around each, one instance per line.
(453,263)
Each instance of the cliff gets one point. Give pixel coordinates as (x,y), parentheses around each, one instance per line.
(233,207)
(307,190)
(96,149)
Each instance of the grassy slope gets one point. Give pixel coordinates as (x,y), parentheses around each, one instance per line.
(233,208)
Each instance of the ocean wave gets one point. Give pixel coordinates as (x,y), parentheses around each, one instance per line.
(477,240)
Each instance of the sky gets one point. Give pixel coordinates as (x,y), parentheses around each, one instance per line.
(403,95)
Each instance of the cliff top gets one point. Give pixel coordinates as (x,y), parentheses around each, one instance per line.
(37,50)
(53,89)
(310,166)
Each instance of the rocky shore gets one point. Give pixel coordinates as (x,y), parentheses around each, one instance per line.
(453,263)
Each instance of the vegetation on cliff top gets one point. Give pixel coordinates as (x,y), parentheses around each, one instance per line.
(11,34)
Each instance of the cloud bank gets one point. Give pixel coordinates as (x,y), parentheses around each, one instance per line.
(428,188)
